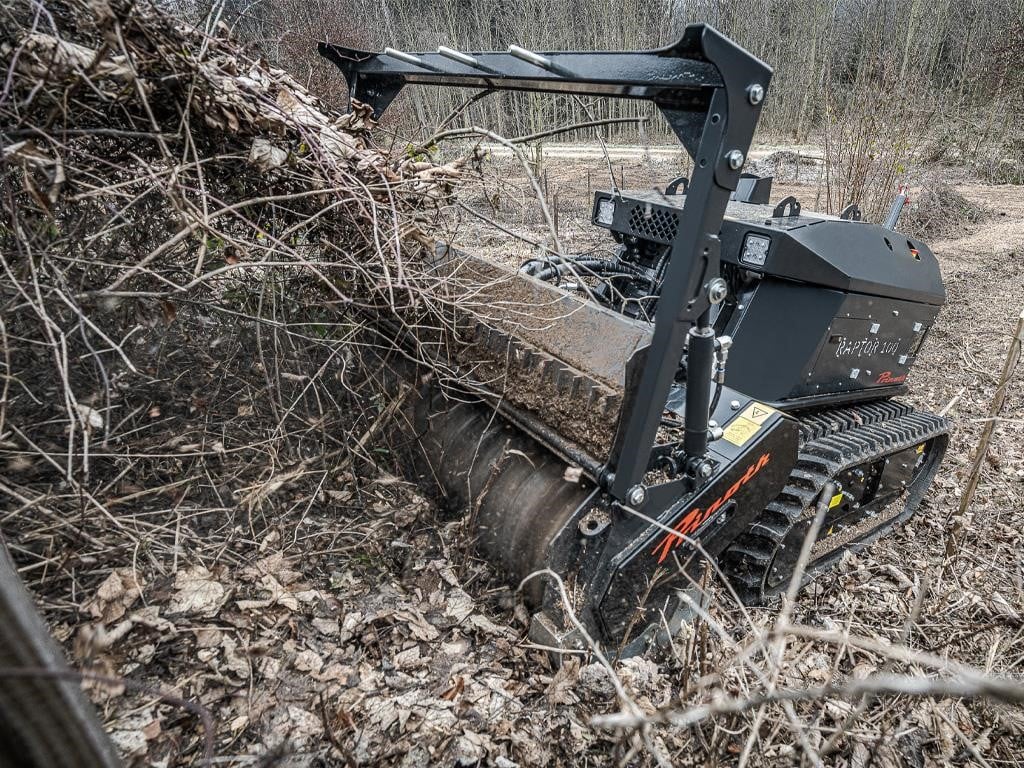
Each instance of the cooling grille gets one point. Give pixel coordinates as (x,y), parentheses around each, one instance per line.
(661,225)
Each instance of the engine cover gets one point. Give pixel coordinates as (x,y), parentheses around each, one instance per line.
(822,310)
(796,343)
(825,310)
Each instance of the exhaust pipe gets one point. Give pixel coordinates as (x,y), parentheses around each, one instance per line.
(897,208)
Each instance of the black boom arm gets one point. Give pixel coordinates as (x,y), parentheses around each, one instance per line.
(711,91)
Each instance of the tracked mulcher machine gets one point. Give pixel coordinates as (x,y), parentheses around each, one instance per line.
(695,397)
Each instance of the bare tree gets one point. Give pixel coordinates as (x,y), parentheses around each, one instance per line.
(937,76)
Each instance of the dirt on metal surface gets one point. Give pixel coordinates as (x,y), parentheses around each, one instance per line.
(558,357)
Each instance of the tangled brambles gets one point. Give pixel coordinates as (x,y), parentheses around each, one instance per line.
(185,235)
(153,180)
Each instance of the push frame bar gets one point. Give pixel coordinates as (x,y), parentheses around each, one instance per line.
(711,92)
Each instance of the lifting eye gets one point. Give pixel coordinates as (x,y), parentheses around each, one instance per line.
(913,251)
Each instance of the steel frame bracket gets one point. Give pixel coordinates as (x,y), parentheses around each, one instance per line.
(711,91)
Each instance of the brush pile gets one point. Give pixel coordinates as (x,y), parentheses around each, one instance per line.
(938,210)
(150,170)
(169,208)
(185,233)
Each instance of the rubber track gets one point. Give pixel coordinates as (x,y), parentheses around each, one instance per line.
(830,443)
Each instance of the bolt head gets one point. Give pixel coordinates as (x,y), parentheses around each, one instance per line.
(755,92)
(735,159)
(735,405)
(718,289)
(636,495)
(706,469)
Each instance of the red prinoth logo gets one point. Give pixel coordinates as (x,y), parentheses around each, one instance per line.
(888,378)
(697,517)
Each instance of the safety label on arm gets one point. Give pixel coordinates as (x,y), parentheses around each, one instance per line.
(747,424)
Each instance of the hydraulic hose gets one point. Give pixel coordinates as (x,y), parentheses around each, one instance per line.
(715,399)
(596,267)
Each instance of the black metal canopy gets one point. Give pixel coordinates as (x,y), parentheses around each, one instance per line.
(679,78)
(671,73)
(711,91)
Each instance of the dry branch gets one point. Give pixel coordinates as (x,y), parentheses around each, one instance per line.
(1013,357)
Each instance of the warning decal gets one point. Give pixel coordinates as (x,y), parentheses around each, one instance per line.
(747,424)
(740,430)
(758,413)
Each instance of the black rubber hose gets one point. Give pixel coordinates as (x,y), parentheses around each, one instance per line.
(596,267)
(714,400)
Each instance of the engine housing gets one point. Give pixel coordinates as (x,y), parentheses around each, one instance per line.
(821,310)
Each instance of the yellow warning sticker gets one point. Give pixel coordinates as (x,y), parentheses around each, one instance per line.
(747,424)
(740,430)
(758,413)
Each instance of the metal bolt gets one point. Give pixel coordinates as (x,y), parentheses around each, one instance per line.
(636,495)
(735,158)
(735,405)
(593,524)
(755,92)
(718,289)
(706,469)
